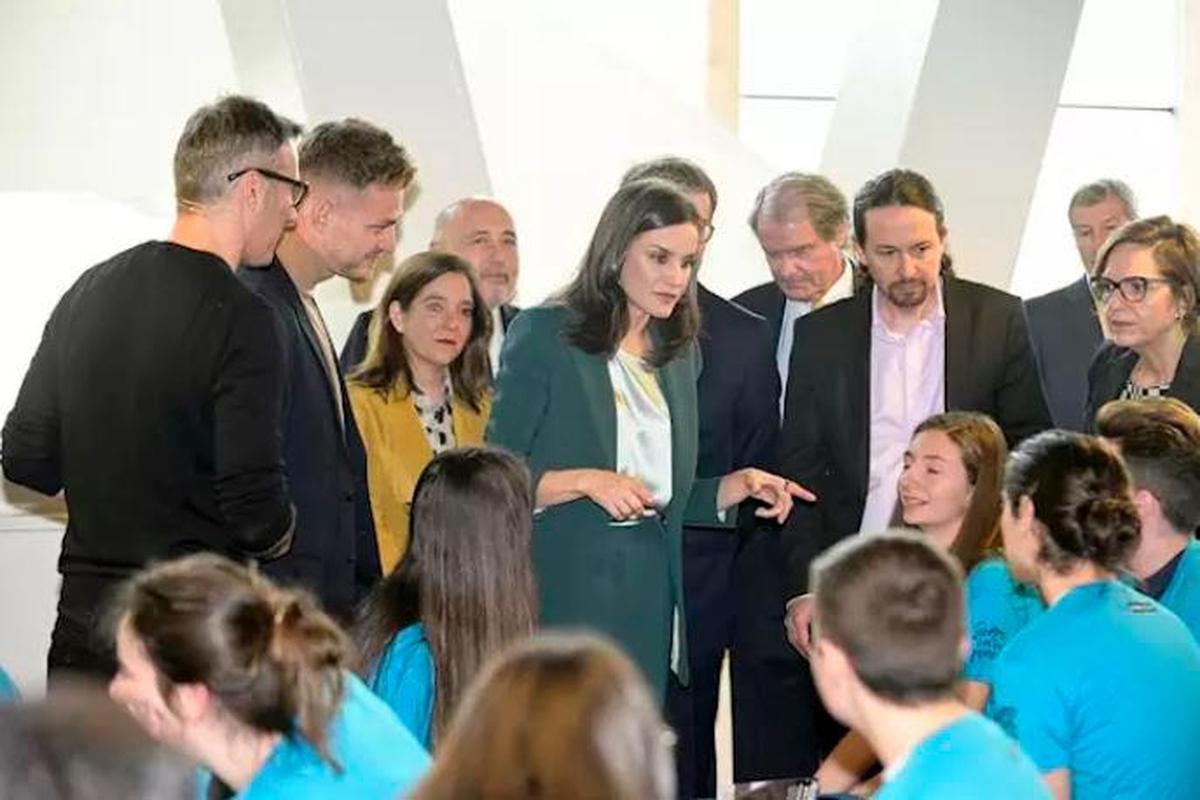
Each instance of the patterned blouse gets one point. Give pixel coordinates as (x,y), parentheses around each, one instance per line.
(1134,392)
(437,419)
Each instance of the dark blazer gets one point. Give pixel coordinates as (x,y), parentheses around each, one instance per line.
(1065,333)
(826,441)
(739,416)
(554,406)
(334,552)
(767,301)
(1112,365)
(355,348)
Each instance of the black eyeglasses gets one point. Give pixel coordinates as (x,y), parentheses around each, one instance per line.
(299,188)
(1133,289)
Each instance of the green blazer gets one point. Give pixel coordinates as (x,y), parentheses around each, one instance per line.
(554,406)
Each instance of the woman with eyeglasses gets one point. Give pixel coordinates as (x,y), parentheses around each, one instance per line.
(1146,284)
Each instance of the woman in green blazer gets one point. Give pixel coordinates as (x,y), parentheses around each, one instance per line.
(597,390)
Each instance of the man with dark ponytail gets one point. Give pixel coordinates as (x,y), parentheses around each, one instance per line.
(1103,689)
(249,680)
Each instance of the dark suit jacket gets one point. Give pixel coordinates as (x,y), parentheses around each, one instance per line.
(739,415)
(1065,333)
(355,348)
(153,399)
(554,406)
(767,301)
(826,441)
(334,552)
(1112,365)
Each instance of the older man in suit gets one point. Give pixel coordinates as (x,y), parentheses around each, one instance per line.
(802,223)
(481,232)
(1063,324)
(358,177)
(917,341)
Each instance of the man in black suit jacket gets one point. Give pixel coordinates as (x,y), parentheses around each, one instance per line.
(481,232)
(153,398)
(1063,324)
(802,223)
(939,342)
(358,176)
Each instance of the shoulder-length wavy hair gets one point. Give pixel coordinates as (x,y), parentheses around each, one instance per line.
(467,575)
(600,317)
(981,445)
(386,366)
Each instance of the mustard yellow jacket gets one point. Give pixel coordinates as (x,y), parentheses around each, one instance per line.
(397,452)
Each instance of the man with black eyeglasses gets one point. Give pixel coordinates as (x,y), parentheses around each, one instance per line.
(349,220)
(154,397)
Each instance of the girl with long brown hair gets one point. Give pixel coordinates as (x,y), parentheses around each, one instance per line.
(461,593)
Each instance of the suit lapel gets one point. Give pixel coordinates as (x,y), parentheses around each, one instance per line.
(300,314)
(675,378)
(858,392)
(959,336)
(596,388)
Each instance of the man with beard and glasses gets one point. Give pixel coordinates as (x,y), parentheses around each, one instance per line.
(913,342)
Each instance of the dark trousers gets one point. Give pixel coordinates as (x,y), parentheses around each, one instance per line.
(733,585)
(81,644)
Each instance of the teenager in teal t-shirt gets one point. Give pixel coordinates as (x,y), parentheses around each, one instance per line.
(249,680)
(462,591)
(1103,690)
(8,689)
(1159,440)
(887,656)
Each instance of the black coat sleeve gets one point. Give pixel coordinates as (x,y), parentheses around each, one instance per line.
(31,447)
(1021,409)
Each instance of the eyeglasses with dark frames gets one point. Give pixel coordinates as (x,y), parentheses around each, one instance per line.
(1132,289)
(299,188)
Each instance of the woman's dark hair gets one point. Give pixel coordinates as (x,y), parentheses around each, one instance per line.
(467,575)
(1081,495)
(271,657)
(981,445)
(555,716)
(386,367)
(600,309)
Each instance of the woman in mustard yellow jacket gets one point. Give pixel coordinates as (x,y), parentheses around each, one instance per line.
(424,387)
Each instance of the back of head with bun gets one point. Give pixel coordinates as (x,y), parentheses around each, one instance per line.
(1081,495)
(271,657)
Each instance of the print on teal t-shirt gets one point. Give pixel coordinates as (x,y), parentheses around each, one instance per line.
(998,607)
(8,689)
(969,759)
(1106,684)
(1182,595)
(377,755)
(404,678)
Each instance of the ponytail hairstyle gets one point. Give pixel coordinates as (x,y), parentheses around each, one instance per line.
(1081,493)
(467,576)
(269,655)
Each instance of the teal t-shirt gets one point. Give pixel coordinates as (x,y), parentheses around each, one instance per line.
(969,759)
(405,679)
(1106,684)
(998,607)
(378,756)
(1183,592)
(8,689)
